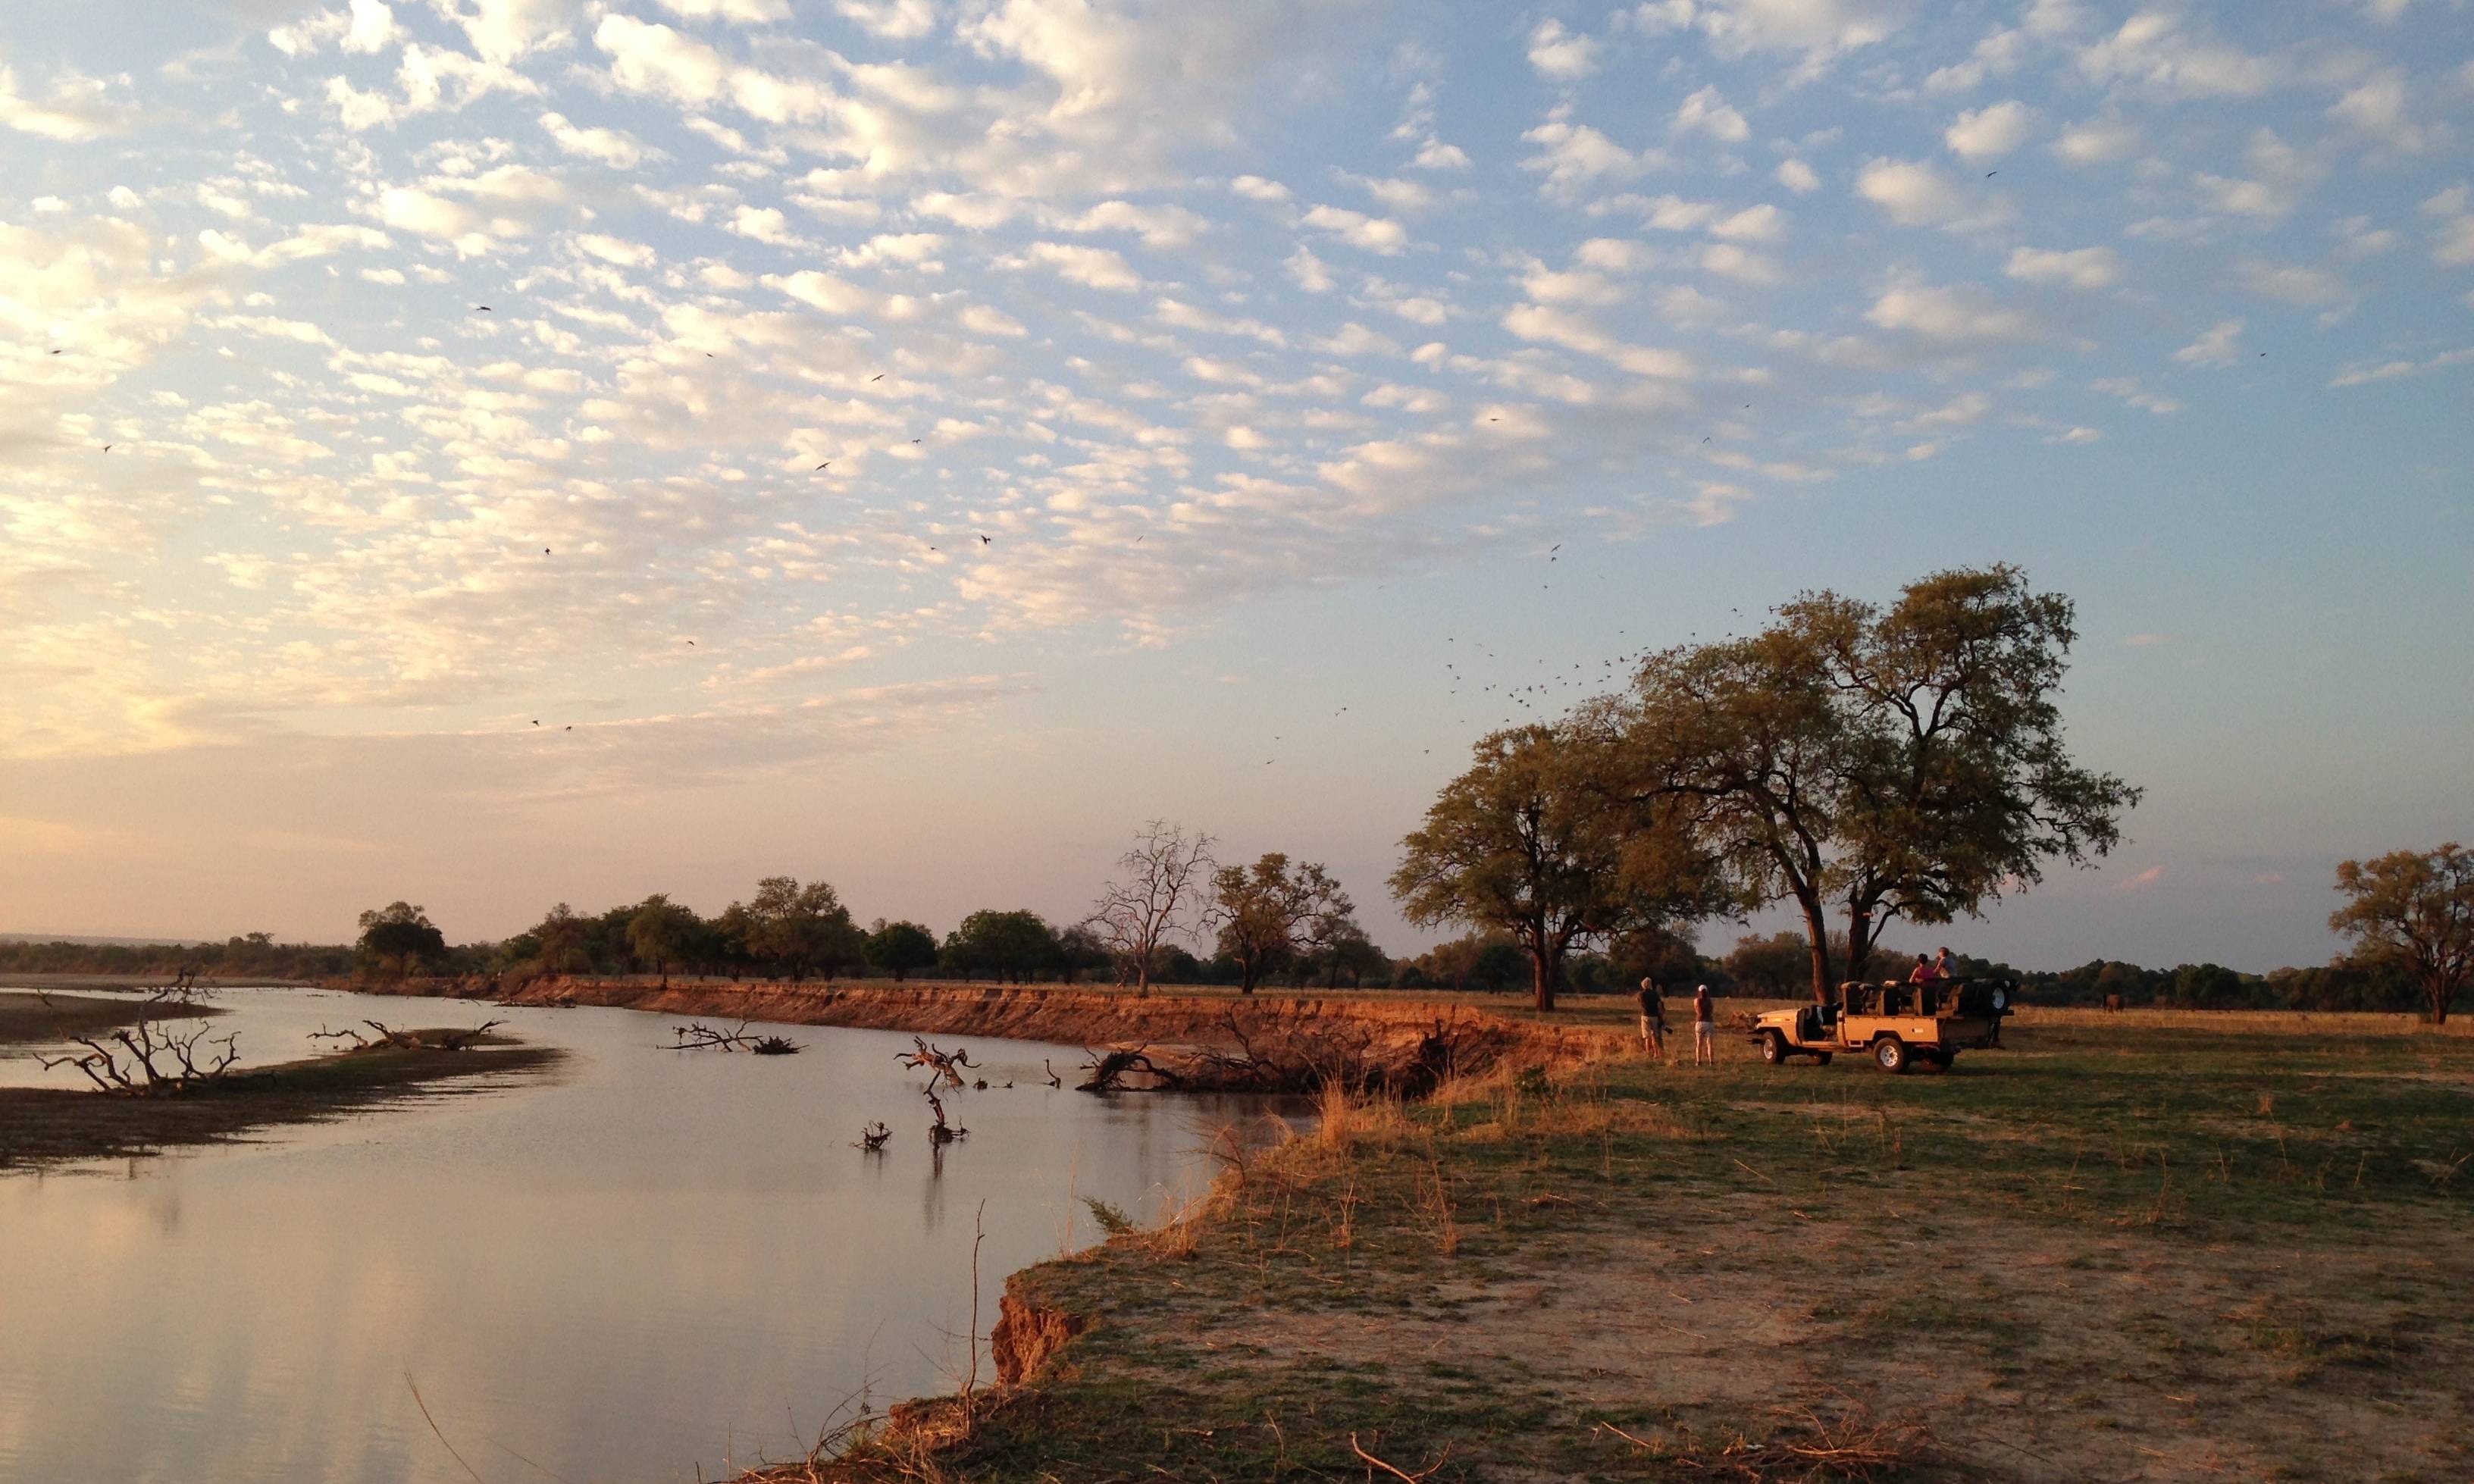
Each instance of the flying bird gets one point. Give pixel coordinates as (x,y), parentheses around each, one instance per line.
(827,464)
(536,720)
(984,541)
(1990,174)
(481,309)
(879,377)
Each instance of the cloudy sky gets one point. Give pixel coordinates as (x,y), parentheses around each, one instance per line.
(909,442)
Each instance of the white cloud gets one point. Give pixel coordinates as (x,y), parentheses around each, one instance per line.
(1989,133)
(1798,177)
(2098,141)
(1573,332)
(2152,52)
(1253,188)
(2454,247)
(890,20)
(1091,267)
(2088,267)
(1819,28)
(1961,315)
(1707,113)
(1559,54)
(2219,347)
(1371,234)
(750,11)
(1572,156)
(73,110)
(1915,194)
(609,146)
(2376,111)
(1308,271)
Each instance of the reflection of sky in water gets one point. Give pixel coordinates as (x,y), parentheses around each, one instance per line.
(652,1264)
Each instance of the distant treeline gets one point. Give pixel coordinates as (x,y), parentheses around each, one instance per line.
(794,934)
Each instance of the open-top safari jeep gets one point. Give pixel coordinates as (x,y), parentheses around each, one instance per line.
(1896,1023)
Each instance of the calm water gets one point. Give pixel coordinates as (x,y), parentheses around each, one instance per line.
(656,1263)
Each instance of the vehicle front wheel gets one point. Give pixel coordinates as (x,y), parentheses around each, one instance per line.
(1891,1053)
(1773,1048)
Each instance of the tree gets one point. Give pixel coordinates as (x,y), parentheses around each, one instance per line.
(2412,913)
(661,931)
(1163,877)
(1079,951)
(1524,844)
(794,929)
(899,947)
(1012,945)
(401,934)
(1348,950)
(1270,912)
(1904,762)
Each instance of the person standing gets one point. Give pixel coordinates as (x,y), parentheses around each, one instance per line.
(1705,1029)
(1652,1018)
(1941,965)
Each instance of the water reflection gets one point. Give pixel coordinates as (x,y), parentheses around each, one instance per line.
(646,1267)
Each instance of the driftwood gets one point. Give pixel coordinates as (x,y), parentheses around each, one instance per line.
(698,1036)
(940,1132)
(1296,1057)
(945,1067)
(1108,1069)
(873,1136)
(383,1036)
(136,1076)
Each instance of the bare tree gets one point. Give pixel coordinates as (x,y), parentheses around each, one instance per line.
(1161,882)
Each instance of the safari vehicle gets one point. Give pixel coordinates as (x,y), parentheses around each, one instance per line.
(1896,1023)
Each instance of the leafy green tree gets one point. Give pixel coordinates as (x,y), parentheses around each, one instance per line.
(1900,763)
(1347,950)
(899,947)
(2411,914)
(794,930)
(1526,843)
(1078,952)
(562,938)
(661,932)
(1271,914)
(400,935)
(1498,965)
(1008,944)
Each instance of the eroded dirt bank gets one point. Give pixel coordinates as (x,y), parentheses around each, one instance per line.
(1196,1042)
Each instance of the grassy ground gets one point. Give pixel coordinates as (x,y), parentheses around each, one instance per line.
(2123,1247)
(47,1125)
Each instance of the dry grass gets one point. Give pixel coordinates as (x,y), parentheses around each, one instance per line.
(2241,1022)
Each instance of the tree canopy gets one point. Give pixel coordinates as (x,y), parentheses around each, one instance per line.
(1008,944)
(899,947)
(1526,843)
(2412,913)
(1271,913)
(401,934)
(1900,762)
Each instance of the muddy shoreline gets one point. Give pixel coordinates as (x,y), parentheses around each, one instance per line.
(1190,1042)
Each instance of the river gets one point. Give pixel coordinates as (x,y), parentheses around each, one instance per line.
(651,1265)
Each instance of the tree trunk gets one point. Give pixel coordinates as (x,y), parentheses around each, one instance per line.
(1859,939)
(1543,967)
(2440,992)
(1816,929)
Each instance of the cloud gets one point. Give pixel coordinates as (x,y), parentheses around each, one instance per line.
(2142,881)
(1573,332)
(73,110)
(609,146)
(890,20)
(2153,53)
(2219,347)
(1371,234)
(2089,268)
(1819,28)
(1559,54)
(2293,283)
(1092,267)
(1915,194)
(2098,141)
(1798,177)
(1989,133)
(1706,113)
(1963,314)
(1572,156)
(2454,245)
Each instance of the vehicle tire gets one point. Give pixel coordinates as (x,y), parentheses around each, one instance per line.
(1890,1054)
(1773,1048)
(1938,1060)
(1820,1058)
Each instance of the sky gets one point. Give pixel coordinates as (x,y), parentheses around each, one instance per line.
(491,453)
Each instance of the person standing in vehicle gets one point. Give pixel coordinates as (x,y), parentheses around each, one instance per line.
(1705,1029)
(1941,965)
(1652,1018)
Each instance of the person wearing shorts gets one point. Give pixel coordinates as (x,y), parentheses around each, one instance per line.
(1705,1029)
(1652,1018)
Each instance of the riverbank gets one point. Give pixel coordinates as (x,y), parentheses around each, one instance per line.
(2153,1253)
(1189,1041)
(43,1126)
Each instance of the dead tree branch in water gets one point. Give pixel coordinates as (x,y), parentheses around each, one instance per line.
(1108,1070)
(873,1136)
(944,1067)
(138,1076)
(940,1132)
(698,1036)
(1053,1081)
